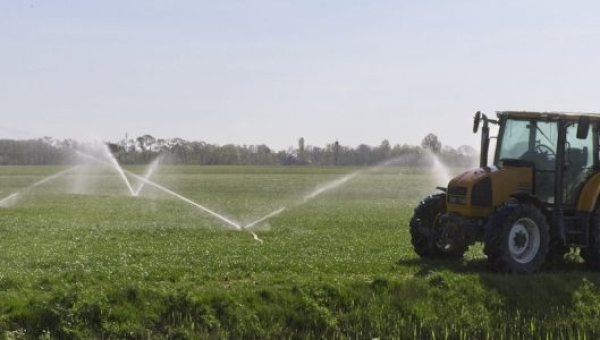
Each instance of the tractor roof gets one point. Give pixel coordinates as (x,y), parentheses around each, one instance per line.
(552,115)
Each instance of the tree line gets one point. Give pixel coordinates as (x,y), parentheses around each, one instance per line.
(144,149)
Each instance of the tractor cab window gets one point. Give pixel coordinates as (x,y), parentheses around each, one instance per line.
(579,162)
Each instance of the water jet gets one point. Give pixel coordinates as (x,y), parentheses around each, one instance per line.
(441,172)
(147,175)
(12,198)
(113,161)
(266,217)
(185,199)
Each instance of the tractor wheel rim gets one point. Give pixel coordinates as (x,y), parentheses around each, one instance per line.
(524,240)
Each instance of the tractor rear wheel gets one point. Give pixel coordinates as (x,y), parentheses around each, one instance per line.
(591,254)
(516,239)
(427,232)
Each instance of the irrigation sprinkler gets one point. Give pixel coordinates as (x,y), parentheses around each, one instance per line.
(266,217)
(185,199)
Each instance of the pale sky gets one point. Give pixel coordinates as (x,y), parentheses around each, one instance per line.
(270,72)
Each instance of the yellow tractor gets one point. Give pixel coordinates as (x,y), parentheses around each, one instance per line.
(537,199)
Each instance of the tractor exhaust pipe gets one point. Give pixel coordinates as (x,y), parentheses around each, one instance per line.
(485,137)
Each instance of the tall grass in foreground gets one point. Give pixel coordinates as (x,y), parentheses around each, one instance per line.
(105,265)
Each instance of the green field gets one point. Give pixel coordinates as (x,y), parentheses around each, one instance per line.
(81,258)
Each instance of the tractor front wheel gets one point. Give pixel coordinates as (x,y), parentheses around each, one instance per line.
(427,232)
(516,239)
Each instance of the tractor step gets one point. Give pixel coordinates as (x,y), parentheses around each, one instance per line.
(576,229)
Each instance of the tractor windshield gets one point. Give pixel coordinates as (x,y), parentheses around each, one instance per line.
(530,141)
(515,140)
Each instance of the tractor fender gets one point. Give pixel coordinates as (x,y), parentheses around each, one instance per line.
(521,198)
(500,215)
(588,196)
(503,211)
(525,197)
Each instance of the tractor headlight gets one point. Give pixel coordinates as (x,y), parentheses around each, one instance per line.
(457,195)
(457,200)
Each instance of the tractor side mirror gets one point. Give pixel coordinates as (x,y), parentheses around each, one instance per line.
(583,127)
(476,121)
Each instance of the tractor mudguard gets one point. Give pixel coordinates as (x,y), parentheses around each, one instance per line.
(588,196)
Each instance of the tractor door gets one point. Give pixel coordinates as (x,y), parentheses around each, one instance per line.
(543,144)
(532,143)
(579,163)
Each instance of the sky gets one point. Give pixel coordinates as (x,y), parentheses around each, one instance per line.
(270,72)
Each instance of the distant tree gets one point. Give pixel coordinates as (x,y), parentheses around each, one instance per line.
(363,155)
(467,150)
(228,155)
(118,151)
(48,150)
(301,154)
(431,143)
(161,145)
(383,151)
(263,155)
(448,149)
(336,152)
(113,147)
(146,144)
(317,155)
(178,148)
(282,157)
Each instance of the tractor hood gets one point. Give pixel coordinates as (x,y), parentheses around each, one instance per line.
(471,176)
(477,192)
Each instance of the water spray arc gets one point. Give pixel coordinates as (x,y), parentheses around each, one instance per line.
(327,187)
(148,174)
(264,218)
(106,157)
(117,167)
(56,175)
(6,201)
(185,199)
(112,161)
(10,198)
(442,173)
(146,181)
(316,192)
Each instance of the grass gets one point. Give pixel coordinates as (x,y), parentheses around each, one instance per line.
(81,259)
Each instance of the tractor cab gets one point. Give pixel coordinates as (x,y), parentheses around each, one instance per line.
(558,148)
(537,199)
